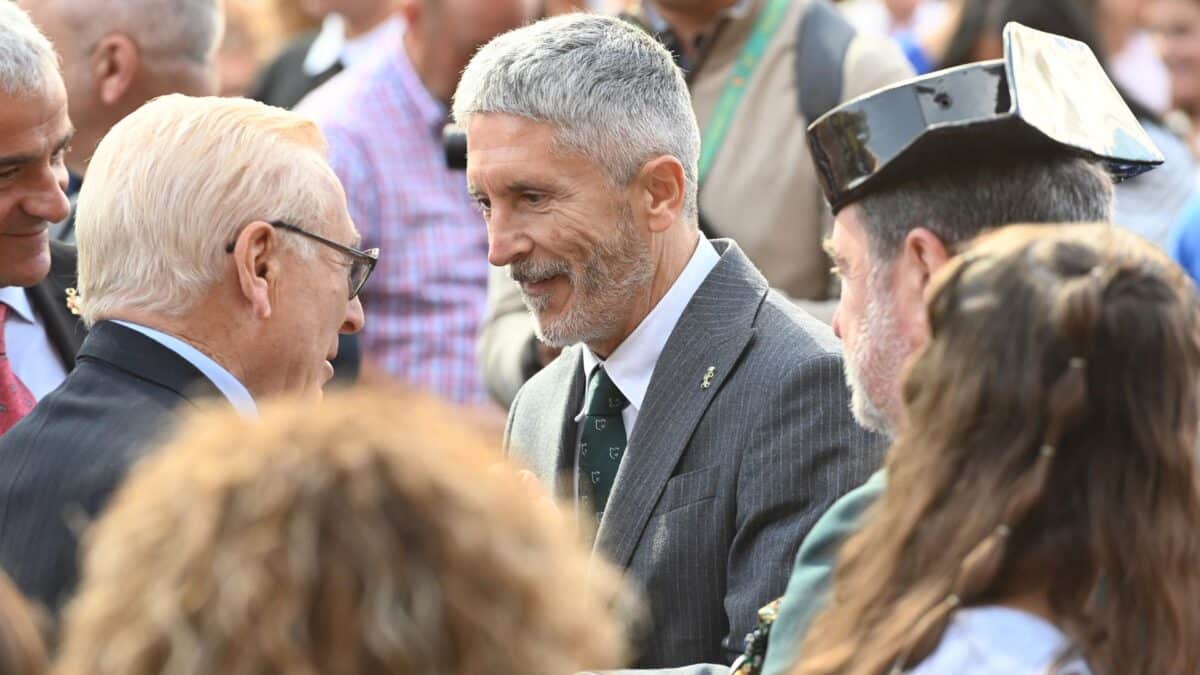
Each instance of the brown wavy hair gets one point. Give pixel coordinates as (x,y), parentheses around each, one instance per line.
(369,535)
(22,651)
(1051,421)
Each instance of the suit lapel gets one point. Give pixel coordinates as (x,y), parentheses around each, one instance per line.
(64,330)
(710,337)
(553,456)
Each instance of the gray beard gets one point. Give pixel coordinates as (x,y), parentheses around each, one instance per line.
(618,269)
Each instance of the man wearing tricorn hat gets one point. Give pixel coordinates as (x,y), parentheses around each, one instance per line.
(912,171)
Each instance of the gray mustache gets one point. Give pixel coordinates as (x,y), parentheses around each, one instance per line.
(534,271)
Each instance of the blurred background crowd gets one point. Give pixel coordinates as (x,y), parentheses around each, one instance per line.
(380,531)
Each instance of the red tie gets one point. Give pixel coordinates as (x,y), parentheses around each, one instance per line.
(15,399)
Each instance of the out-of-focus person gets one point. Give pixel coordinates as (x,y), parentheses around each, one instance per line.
(915,25)
(351,32)
(699,418)
(1133,58)
(322,541)
(38,334)
(118,54)
(384,123)
(758,72)
(216,260)
(1175,25)
(1148,205)
(251,38)
(294,18)
(894,18)
(1041,500)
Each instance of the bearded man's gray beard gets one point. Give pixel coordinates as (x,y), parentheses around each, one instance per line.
(874,367)
(618,268)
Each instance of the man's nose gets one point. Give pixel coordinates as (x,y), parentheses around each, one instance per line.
(506,241)
(47,198)
(354,319)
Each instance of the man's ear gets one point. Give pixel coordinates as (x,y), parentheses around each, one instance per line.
(114,63)
(922,254)
(256,262)
(662,187)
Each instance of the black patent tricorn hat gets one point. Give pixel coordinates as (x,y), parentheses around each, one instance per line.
(1049,94)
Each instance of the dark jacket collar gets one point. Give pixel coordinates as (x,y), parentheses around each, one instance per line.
(146,359)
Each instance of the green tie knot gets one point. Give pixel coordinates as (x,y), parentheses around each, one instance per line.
(604,398)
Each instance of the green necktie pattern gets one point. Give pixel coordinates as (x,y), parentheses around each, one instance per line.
(602,442)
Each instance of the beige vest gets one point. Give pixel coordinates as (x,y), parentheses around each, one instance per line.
(762,189)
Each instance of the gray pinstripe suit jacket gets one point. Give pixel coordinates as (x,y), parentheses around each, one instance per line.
(720,484)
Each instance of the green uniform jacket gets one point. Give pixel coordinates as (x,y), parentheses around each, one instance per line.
(813,574)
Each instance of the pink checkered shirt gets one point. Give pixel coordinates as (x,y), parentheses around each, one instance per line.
(427,297)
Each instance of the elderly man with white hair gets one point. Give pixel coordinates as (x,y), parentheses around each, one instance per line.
(118,54)
(217,259)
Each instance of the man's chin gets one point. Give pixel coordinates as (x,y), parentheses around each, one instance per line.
(27,272)
(869,417)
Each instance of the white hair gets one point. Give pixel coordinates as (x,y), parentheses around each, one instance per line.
(187,30)
(26,57)
(175,182)
(611,92)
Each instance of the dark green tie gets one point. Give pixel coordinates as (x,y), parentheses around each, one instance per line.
(602,442)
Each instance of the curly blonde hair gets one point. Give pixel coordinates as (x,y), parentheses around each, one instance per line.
(370,535)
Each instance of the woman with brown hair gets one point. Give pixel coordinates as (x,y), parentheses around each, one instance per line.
(1042,502)
(367,536)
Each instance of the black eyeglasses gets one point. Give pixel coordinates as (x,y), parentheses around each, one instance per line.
(362,263)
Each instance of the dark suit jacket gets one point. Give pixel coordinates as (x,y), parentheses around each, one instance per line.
(49,300)
(62,462)
(283,82)
(721,483)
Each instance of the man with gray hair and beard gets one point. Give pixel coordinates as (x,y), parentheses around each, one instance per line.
(118,54)
(951,154)
(702,423)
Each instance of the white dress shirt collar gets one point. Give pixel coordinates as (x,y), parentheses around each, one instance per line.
(18,303)
(632,363)
(331,44)
(33,357)
(222,379)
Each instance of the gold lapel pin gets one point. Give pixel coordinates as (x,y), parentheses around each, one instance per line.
(708,377)
(73,301)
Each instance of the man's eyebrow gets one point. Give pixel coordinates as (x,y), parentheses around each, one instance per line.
(526,186)
(66,140)
(23,159)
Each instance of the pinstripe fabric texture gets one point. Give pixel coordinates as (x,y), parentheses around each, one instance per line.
(720,483)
